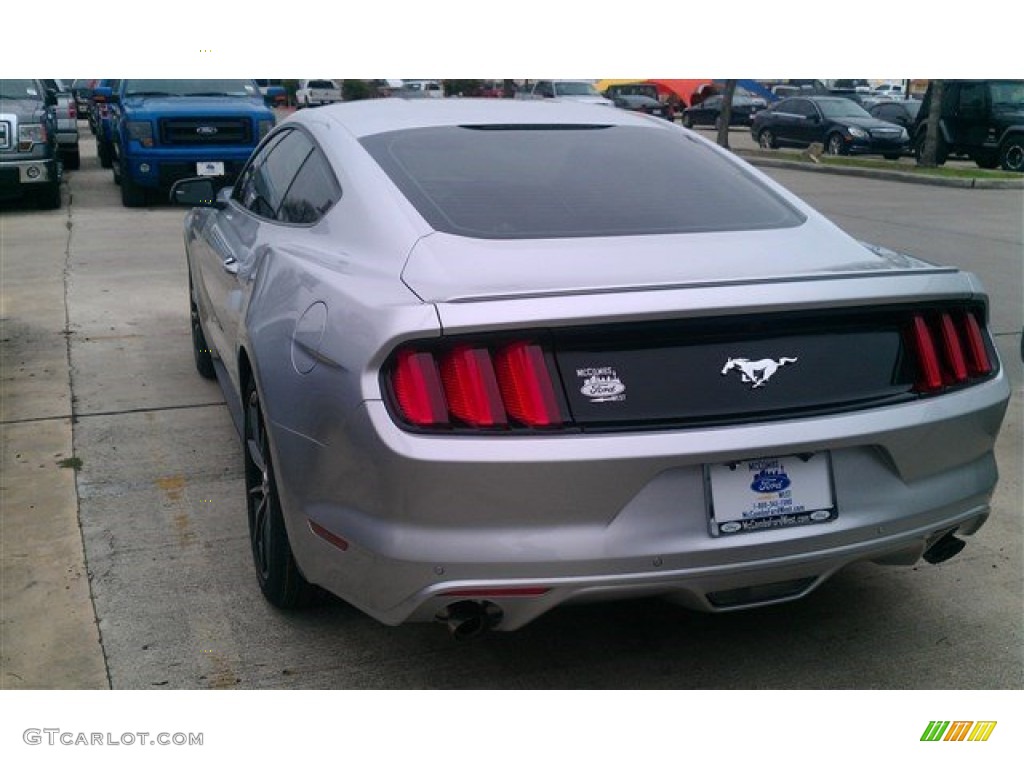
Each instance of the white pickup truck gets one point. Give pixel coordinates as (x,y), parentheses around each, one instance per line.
(316,93)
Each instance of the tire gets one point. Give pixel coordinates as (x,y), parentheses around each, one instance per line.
(1011,156)
(132,195)
(891,157)
(72,160)
(687,121)
(200,349)
(276,571)
(104,152)
(766,139)
(115,163)
(834,145)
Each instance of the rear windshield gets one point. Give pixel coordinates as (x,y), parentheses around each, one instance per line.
(518,182)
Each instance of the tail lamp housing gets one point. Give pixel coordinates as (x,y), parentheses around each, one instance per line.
(949,349)
(504,386)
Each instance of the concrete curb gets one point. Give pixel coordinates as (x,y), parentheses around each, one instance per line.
(877,173)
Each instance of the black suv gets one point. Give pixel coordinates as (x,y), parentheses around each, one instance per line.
(982,119)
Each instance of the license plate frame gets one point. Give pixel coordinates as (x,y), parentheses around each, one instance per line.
(210,168)
(770,493)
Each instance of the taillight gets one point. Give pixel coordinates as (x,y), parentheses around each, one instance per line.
(929,377)
(978,362)
(477,386)
(417,387)
(526,385)
(472,388)
(949,349)
(953,353)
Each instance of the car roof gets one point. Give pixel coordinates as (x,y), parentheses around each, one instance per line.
(372,116)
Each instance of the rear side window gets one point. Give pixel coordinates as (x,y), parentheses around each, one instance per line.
(311,194)
(268,178)
(517,182)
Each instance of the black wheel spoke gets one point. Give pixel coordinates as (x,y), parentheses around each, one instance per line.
(278,576)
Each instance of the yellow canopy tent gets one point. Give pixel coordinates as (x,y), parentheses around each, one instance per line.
(602,85)
(681,89)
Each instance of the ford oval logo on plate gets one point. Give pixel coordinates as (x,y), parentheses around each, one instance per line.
(821,514)
(770,481)
(206,130)
(730,527)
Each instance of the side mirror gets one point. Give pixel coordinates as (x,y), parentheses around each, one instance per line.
(197,192)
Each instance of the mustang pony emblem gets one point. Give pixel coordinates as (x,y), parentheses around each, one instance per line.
(756,371)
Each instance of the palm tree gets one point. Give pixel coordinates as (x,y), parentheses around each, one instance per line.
(931,153)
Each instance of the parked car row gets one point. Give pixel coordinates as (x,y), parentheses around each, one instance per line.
(979,119)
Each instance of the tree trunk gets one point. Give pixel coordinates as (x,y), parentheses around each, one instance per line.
(930,154)
(726,113)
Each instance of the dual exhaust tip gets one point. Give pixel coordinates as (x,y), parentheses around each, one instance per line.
(467,619)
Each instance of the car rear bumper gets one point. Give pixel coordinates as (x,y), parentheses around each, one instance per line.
(403,525)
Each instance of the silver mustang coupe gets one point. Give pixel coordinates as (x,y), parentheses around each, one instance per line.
(488,358)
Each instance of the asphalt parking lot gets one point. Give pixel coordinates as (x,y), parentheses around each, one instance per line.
(125,555)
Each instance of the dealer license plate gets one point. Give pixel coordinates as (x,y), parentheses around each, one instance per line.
(210,168)
(767,493)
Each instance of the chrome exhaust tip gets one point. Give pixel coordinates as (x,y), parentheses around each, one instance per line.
(468,618)
(947,547)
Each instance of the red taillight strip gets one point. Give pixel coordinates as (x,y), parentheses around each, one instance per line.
(417,387)
(929,374)
(953,353)
(472,388)
(978,362)
(949,349)
(526,385)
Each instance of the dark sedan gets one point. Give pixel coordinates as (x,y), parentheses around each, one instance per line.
(643,104)
(902,113)
(709,111)
(841,126)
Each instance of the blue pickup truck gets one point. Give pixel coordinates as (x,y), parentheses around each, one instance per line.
(166,130)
